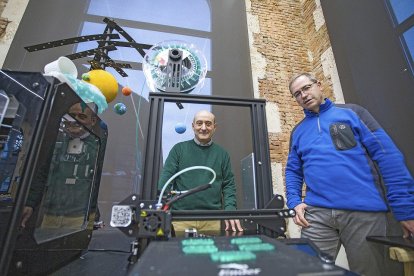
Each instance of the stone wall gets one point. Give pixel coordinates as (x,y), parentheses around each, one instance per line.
(11,12)
(3,21)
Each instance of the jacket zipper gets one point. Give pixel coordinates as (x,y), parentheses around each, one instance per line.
(319,125)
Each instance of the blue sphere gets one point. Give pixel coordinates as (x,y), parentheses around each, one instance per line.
(180,128)
(103,125)
(120,108)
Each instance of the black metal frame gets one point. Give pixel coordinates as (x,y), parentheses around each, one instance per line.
(148,188)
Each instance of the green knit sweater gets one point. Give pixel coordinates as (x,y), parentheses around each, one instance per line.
(69,179)
(222,194)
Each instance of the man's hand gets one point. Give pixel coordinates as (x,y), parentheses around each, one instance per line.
(234,233)
(233,225)
(27,213)
(408,228)
(299,219)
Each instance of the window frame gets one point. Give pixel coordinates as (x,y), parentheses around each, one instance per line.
(400,29)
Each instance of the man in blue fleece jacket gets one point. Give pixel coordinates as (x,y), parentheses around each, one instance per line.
(354,175)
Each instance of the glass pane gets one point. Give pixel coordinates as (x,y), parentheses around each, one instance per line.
(249,183)
(177,124)
(4,103)
(409,40)
(10,144)
(141,36)
(194,14)
(402,9)
(17,130)
(69,177)
(137,82)
(231,123)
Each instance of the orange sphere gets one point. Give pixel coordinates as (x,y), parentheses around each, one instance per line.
(126,91)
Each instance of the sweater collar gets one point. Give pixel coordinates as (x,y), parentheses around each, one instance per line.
(322,108)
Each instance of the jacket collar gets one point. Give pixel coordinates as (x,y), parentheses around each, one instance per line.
(322,108)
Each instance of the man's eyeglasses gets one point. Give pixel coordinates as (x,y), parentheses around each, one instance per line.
(304,89)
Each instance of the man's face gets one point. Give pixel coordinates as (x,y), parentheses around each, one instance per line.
(307,93)
(204,126)
(84,118)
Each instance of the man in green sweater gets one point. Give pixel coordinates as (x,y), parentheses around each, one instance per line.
(201,151)
(65,186)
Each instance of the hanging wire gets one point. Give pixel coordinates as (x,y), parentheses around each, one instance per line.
(137,128)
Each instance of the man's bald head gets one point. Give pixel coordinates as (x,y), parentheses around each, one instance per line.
(204,126)
(204,114)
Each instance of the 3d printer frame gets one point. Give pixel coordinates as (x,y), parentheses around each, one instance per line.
(138,216)
(148,187)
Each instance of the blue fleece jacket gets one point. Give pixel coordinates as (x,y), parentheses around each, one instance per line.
(347,162)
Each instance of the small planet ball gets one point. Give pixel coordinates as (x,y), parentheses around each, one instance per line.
(126,91)
(120,108)
(180,128)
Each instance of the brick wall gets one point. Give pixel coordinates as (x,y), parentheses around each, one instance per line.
(287,37)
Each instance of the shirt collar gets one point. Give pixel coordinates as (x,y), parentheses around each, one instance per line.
(203,145)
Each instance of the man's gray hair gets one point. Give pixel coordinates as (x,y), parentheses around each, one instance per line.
(308,75)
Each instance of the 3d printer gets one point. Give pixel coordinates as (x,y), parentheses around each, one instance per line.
(51,165)
(39,249)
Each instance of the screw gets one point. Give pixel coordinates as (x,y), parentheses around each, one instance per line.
(19,264)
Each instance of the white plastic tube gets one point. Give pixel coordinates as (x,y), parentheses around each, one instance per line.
(181,172)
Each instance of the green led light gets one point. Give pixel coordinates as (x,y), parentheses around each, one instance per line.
(200,249)
(256,247)
(197,242)
(232,256)
(246,240)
